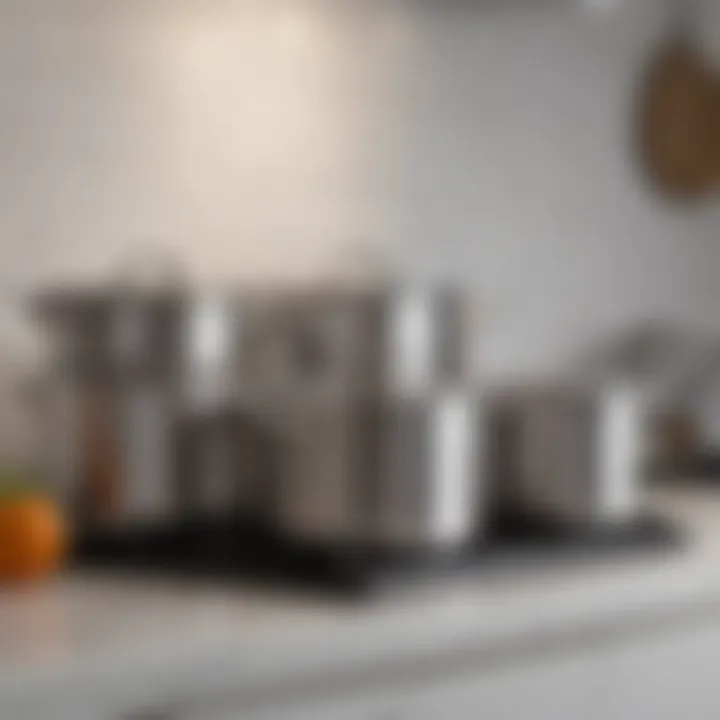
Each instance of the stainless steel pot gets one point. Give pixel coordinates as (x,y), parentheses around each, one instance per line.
(113,389)
(369,395)
(568,454)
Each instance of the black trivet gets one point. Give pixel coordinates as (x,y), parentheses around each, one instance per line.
(216,553)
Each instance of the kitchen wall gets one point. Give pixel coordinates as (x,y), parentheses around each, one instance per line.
(261,138)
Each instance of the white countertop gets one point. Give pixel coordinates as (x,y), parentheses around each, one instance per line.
(85,629)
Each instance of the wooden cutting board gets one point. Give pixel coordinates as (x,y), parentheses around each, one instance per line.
(680,146)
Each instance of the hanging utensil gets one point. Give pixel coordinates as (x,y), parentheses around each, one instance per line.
(678,128)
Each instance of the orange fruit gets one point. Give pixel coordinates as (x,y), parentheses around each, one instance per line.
(33,537)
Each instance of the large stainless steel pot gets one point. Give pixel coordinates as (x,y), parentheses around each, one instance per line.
(369,395)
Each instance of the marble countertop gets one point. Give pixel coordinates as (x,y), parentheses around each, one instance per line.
(85,630)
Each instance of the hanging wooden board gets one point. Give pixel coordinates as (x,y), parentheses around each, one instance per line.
(679,122)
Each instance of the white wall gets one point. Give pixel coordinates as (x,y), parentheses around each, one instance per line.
(260,136)
(523,181)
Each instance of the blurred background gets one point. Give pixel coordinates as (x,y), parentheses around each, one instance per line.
(466,248)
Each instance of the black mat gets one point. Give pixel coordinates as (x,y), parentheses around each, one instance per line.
(230,554)
(700,468)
